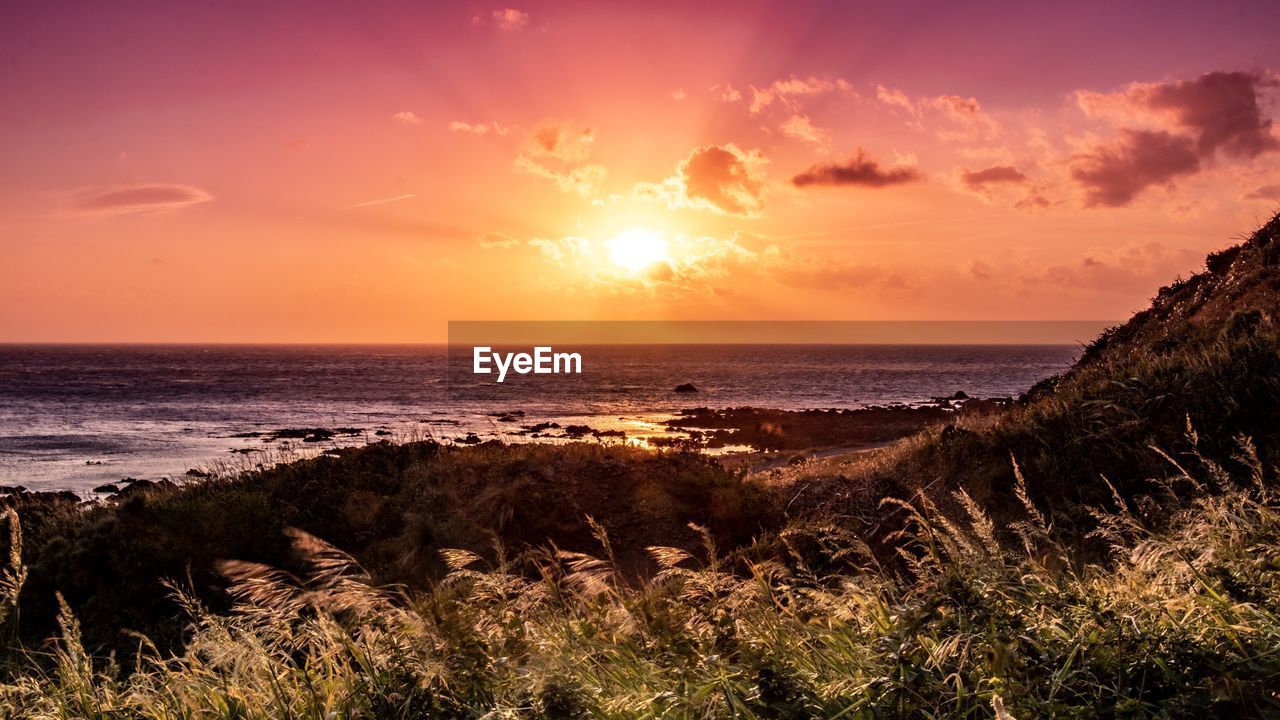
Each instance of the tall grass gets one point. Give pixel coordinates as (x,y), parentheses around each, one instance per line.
(974,620)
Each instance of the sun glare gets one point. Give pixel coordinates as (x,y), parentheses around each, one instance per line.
(637,248)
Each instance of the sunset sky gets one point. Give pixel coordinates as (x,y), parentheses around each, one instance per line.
(326,172)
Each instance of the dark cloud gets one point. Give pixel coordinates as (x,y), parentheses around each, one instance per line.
(859,170)
(1216,113)
(1000,174)
(122,199)
(725,178)
(1221,110)
(1266,192)
(1112,175)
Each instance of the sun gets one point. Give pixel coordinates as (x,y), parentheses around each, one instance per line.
(636,249)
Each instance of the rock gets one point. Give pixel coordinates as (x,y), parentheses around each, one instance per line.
(686,388)
(382,432)
(952,435)
(107,489)
(141,486)
(197,473)
(576,430)
(13,489)
(960,395)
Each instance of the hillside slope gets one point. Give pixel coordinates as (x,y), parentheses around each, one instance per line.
(1200,367)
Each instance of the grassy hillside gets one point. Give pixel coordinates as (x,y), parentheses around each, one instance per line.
(1106,548)
(1203,357)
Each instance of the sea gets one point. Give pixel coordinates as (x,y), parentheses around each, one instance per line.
(74,417)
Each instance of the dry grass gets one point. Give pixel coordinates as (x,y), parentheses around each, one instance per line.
(1182,623)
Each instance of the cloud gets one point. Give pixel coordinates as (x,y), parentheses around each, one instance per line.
(565,251)
(1000,174)
(561,141)
(679,94)
(136,199)
(958,118)
(496,241)
(478,129)
(1219,110)
(381,201)
(1113,175)
(786,90)
(507,19)
(1170,130)
(584,180)
(726,93)
(979,269)
(558,151)
(896,98)
(859,170)
(1005,184)
(800,128)
(721,178)
(1033,201)
(1266,192)
(406,118)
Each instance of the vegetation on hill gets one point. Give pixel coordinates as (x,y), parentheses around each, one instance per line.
(1106,548)
(1203,356)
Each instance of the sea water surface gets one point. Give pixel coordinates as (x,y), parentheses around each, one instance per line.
(75,416)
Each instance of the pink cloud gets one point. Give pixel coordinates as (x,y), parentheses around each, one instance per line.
(509,19)
(137,199)
(787,90)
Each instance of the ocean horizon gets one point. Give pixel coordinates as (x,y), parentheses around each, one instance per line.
(76,416)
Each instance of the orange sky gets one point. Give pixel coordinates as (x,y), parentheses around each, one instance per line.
(223,172)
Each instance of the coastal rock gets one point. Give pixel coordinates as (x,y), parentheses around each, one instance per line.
(686,388)
(107,489)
